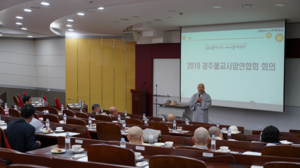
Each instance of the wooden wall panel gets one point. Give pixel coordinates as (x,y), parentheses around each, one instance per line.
(120,75)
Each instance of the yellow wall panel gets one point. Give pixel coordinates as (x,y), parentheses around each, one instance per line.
(120,75)
(71,70)
(108,73)
(95,72)
(83,70)
(130,52)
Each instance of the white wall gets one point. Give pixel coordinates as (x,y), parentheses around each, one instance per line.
(32,63)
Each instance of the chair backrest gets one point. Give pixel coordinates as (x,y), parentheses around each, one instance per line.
(103,118)
(14,113)
(53,110)
(25,166)
(281,164)
(57,102)
(44,97)
(111,154)
(68,113)
(81,115)
(189,148)
(17,101)
(160,161)
(160,126)
(35,115)
(24,94)
(51,117)
(134,121)
(2,112)
(3,141)
(76,121)
(20,100)
(255,132)
(281,150)
(108,132)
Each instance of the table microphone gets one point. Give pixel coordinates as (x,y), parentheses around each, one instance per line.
(5,161)
(207,118)
(143,85)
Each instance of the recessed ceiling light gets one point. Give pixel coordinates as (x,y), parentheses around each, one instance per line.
(27,10)
(171,10)
(117,22)
(70,20)
(80,14)
(101,8)
(135,16)
(19,17)
(124,19)
(0,34)
(23,28)
(279,5)
(18,23)
(70,29)
(217,7)
(157,20)
(246,6)
(69,25)
(29,36)
(45,3)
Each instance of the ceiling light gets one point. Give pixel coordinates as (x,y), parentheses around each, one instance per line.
(45,3)
(0,34)
(27,10)
(29,36)
(157,20)
(217,7)
(117,22)
(70,29)
(70,20)
(101,8)
(135,16)
(23,28)
(68,25)
(279,5)
(80,14)
(18,23)
(246,6)
(19,17)
(124,19)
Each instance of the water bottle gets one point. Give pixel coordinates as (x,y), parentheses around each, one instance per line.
(213,143)
(5,105)
(79,102)
(187,122)
(144,116)
(229,134)
(122,143)
(47,124)
(164,119)
(119,118)
(67,141)
(67,108)
(90,122)
(124,125)
(150,137)
(43,102)
(65,118)
(174,125)
(125,113)
(62,107)
(16,107)
(97,113)
(145,122)
(80,110)
(218,125)
(259,128)
(101,109)
(260,136)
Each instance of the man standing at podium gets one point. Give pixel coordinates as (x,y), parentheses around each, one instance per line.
(200,102)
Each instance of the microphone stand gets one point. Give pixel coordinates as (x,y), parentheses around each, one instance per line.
(156,100)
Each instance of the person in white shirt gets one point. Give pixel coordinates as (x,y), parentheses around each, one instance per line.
(201,138)
(216,131)
(135,135)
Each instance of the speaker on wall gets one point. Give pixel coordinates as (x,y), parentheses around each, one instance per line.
(131,36)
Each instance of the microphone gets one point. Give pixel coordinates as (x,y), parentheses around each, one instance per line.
(234,161)
(73,129)
(143,85)
(182,142)
(249,137)
(5,161)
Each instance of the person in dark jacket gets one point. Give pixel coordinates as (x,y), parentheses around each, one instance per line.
(20,134)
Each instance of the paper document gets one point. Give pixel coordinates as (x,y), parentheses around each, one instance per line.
(254,166)
(84,159)
(37,124)
(252,153)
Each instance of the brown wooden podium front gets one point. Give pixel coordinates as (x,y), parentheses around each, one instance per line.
(139,102)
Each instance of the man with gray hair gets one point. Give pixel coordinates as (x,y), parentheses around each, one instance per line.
(215,131)
(201,138)
(135,135)
(95,108)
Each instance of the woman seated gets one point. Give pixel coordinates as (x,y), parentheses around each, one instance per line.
(270,134)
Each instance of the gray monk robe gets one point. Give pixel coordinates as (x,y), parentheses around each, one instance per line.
(200,113)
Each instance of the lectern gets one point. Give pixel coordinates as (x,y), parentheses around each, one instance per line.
(139,101)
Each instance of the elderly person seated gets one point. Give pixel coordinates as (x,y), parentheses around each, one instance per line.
(113,112)
(270,134)
(135,135)
(215,131)
(95,108)
(201,138)
(171,117)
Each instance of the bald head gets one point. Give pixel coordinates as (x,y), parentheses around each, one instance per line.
(113,111)
(201,136)
(171,117)
(201,87)
(215,131)
(135,135)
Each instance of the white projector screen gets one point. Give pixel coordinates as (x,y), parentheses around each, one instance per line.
(241,65)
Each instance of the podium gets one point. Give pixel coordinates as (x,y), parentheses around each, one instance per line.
(139,102)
